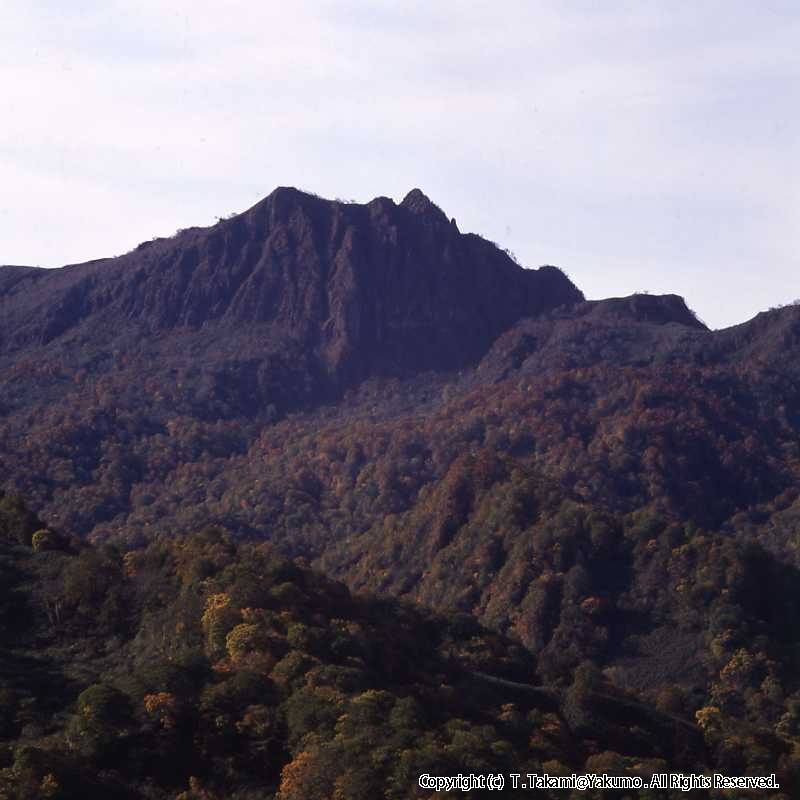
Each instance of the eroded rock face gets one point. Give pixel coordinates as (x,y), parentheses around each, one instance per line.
(375,289)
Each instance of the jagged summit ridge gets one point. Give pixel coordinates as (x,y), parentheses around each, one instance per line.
(357,289)
(417,202)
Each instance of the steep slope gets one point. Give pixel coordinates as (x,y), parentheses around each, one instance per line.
(348,290)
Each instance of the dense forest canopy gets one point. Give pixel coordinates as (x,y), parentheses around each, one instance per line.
(197,667)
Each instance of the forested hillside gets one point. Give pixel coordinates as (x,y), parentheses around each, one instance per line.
(197,668)
(402,407)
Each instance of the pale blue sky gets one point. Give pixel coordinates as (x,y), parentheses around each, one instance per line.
(638,145)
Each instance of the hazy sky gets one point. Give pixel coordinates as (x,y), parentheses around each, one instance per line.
(637,145)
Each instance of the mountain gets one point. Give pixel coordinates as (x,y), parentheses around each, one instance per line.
(350,291)
(402,406)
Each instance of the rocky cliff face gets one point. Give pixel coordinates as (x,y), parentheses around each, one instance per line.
(375,289)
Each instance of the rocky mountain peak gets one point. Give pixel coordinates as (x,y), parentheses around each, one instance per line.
(418,203)
(358,290)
